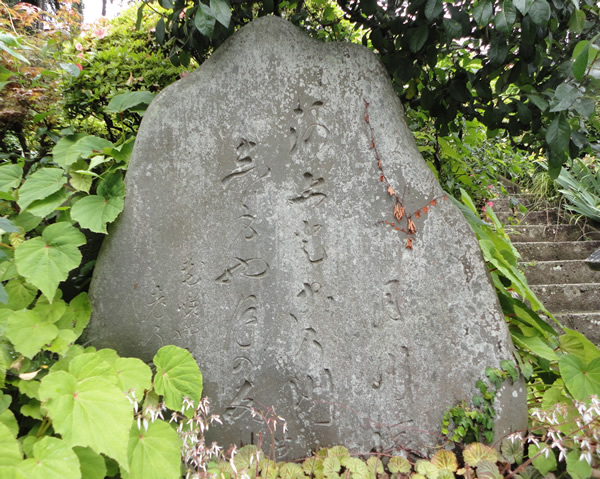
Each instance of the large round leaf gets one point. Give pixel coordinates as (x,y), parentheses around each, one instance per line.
(582,379)
(177,375)
(10,176)
(91,412)
(52,459)
(155,453)
(10,448)
(133,374)
(46,261)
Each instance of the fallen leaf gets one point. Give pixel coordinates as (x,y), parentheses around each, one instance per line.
(433,202)
(409,243)
(398,212)
(426,210)
(390,190)
(418,214)
(412,228)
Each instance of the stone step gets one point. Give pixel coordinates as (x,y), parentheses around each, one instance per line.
(513,201)
(548,217)
(555,250)
(587,324)
(557,272)
(565,298)
(550,233)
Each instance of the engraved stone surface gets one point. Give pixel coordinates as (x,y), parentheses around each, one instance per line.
(254,234)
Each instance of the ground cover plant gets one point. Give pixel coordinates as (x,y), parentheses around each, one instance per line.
(67,410)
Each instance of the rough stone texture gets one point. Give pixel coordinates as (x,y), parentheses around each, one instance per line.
(252,235)
(593,261)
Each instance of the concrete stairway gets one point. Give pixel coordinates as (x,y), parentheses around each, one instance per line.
(553,259)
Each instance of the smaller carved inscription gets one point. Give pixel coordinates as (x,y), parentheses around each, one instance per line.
(253,268)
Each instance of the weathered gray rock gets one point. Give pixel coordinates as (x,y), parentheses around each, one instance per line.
(253,235)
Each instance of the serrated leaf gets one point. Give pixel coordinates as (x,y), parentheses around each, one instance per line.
(398,464)
(155,453)
(221,11)
(338,451)
(20,294)
(331,466)
(356,466)
(77,314)
(63,154)
(40,185)
(445,460)
(246,456)
(512,450)
(290,470)
(29,333)
(10,177)
(177,375)
(581,379)
(91,413)
(52,459)
(46,261)
(425,468)
(476,452)
(133,374)
(375,465)
(92,463)
(205,20)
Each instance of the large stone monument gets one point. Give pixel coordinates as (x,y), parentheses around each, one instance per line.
(281,224)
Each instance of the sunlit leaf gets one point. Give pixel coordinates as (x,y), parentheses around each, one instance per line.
(476,452)
(177,375)
(578,467)
(10,448)
(10,176)
(445,460)
(29,332)
(545,462)
(92,464)
(94,212)
(582,379)
(40,185)
(398,464)
(130,100)
(52,459)
(133,374)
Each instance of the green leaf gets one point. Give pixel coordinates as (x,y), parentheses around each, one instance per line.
(222,11)
(433,9)
(177,375)
(29,332)
(52,459)
(10,177)
(77,314)
(40,185)
(512,450)
(476,452)
(46,261)
(63,154)
(417,37)
(540,12)
(130,100)
(92,464)
(94,212)
(483,13)
(546,461)
(581,379)
(155,453)
(538,101)
(44,207)
(578,468)
(559,134)
(91,413)
(580,64)
(27,221)
(577,21)
(71,69)
(92,365)
(506,17)
(90,146)
(159,31)
(8,226)
(10,448)
(20,294)
(590,350)
(564,97)
(523,5)
(205,20)
(133,374)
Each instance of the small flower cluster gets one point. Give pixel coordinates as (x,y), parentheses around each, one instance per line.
(583,434)
(195,454)
(148,414)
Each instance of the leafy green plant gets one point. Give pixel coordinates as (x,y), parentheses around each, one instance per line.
(580,185)
(113,58)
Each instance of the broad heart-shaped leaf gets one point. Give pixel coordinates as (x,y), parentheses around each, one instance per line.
(91,365)
(91,463)
(10,448)
(52,459)
(90,146)
(126,101)
(46,261)
(177,375)
(20,294)
(40,185)
(155,453)
(399,464)
(62,153)
(77,314)
(91,413)
(95,211)
(133,374)
(222,11)
(582,380)
(445,460)
(205,20)
(48,205)
(29,332)
(10,177)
